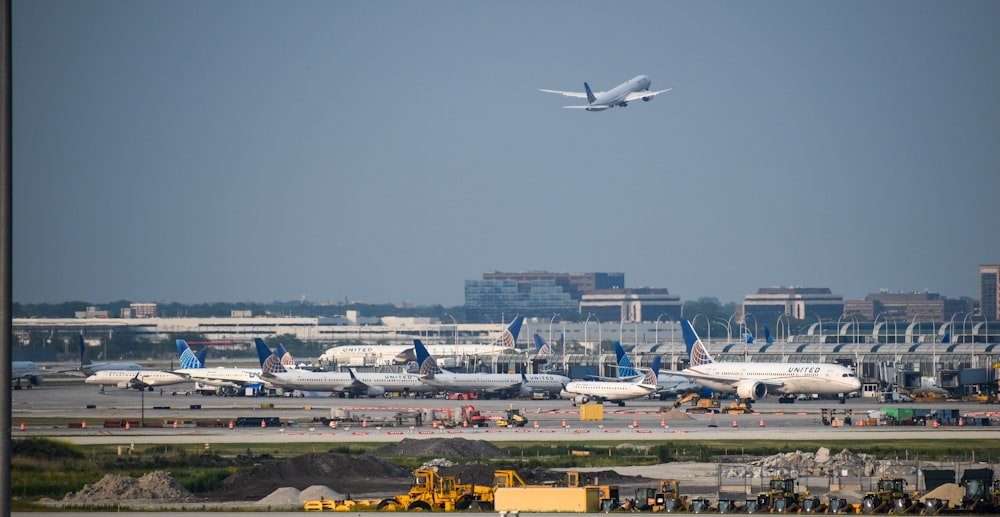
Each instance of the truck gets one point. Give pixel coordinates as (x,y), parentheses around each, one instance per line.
(473,418)
(512,418)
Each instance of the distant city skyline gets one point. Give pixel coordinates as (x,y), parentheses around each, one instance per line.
(386,152)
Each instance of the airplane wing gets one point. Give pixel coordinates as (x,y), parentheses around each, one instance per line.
(634,96)
(577,95)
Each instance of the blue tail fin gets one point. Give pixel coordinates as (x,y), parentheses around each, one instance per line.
(268,361)
(748,337)
(83,352)
(509,337)
(947,338)
(541,347)
(284,357)
(697,353)
(652,375)
(187,357)
(767,335)
(426,364)
(590,94)
(625,367)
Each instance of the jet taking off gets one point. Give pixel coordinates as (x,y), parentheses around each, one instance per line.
(632,90)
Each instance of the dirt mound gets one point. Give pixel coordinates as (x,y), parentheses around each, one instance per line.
(350,475)
(482,474)
(443,447)
(157,485)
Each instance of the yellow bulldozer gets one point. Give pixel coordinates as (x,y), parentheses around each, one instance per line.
(431,492)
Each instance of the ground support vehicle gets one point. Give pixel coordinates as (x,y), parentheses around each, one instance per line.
(890,496)
(513,418)
(667,498)
(981,491)
(780,497)
(430,492)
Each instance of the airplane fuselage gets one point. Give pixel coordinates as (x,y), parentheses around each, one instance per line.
(123,378)
(795,378)
(616,96)
(606,390)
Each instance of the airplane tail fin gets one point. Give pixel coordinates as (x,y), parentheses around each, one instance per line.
(187,357)
(767,335)
(651,378)
(625,367)
(427,365)
(509,336)
(268,361)
(947,338)
(541,347)
(284,357)
(748,337)
(697,352)
(84,359)
(201,355)
(590,94)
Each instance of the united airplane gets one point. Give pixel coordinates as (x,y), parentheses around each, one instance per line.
(221,376)
(582,392)
(753,381)
(88,367)
(499,384)
(618,97)
(27,371)
(383,355)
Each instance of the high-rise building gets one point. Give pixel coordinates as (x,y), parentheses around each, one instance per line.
(799,303)
(989,290)
(532,294)
(631,304)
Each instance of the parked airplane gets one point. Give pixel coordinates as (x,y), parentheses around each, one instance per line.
(279,375)
(383,355)
(668,384)
(499,384)
(88,367)
(632,90)
(220,376)
(26,371)
(753,381)
(582,392)
(135,379)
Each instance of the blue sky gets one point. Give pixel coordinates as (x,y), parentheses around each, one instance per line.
(388,151)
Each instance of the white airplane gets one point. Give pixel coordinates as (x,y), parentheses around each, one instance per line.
(26,371)
(135,379)
(500,384)
(384,355)
(632,90)
(220,376)
(88,367)
(279,375)
(668,384)
(753,381)
(581,392)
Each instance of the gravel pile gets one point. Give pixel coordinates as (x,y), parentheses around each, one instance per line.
(157,485)
(448,447)
(821,463)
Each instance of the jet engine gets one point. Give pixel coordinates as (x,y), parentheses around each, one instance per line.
(375,391)
(526,392)
(35,380)
(581,399)
(647,99)
(753,390)
(622,104)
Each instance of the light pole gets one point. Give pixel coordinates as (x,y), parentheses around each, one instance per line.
(820,338)
(656,327)
(586,325)
(455,333)
(708,325)
(778,334)
(552,320)
(963,323)
(729,331)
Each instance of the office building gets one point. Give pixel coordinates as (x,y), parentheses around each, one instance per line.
(534,293)
(632,305)
(989,291)
(799,303)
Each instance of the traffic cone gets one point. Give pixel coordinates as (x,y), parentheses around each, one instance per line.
(635,423)
(834,423)
(762,421)
(364,423)
(333,425)
(536,424)
(175,424)
(935,423)
(263,423)
(564,422)
(83,424)
(128,425)
(961,421)
(22,426)
(465,423)
(230,424)
(735,424)
(663,422)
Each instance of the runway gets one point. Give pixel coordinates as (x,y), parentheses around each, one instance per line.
(61,411)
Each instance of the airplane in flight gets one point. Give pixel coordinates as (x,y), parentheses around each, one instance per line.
(618,97)
(500,384)
(753,381)
(385,355)
(27,371)
(88,367)
(582,392)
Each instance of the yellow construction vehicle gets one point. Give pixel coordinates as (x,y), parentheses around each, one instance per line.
(780,497)
(665,499)
(698,404)
(513,418)
(430,492)
(890,496)
(608,494)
